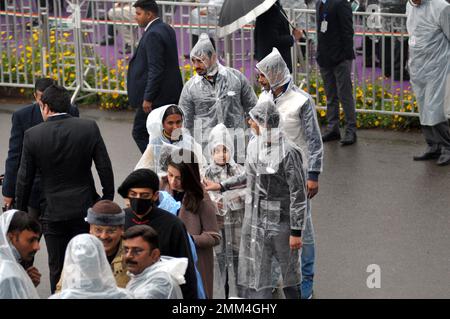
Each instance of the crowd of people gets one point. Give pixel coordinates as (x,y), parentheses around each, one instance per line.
(221,198)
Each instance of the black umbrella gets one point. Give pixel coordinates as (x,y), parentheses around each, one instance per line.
(237,13)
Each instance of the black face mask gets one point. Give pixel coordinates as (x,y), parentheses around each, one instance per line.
(141,206)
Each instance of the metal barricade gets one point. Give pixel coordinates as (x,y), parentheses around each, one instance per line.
(63,39)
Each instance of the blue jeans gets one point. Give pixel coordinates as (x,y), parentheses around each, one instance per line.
(307,257)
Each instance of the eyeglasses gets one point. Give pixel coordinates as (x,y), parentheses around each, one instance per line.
(133,251)
(107,231)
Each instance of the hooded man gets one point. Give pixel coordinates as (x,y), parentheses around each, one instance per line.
(428,24)
(140,190)
(19,241)
(216,94)
(298,121)
(152,276)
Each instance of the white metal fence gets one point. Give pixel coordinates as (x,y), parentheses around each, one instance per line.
(62,39)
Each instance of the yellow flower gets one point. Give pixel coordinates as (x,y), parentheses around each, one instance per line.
(115,95)
(377,123)
(323,113)
(22,90)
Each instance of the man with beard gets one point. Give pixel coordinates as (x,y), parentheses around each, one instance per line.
(216,94)
(140,190)
(19,241)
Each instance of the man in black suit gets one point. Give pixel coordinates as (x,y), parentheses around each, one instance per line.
(62,149)
(22,120)
(272,30)
(334,56)
(154,77)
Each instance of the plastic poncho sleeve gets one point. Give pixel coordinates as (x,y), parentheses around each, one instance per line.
(311,131)
(248,95)
(444,21)
(187,106)
(297,188)
(147,159)
(235,181)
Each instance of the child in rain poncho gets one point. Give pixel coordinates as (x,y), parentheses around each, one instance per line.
(230,207)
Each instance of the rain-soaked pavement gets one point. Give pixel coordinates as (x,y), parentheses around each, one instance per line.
(376,206)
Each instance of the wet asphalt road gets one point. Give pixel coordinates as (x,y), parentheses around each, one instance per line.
(375,206)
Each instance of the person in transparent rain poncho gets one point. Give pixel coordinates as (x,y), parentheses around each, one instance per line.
(275,208)
(165,127)
(152,276)
(230,208)
(428,24)
(298,121)
(216,94)
(15,283)
(87,273)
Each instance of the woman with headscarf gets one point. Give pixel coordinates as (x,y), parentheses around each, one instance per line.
(165,127)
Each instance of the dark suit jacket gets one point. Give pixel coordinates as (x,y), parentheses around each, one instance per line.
(63,148)
(22,120)
(153,72)
(272,30)
(335,45)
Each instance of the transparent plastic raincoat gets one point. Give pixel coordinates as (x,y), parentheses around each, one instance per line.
(87,273)
(275,205)
(230,216)
(161,280)
(429,58)
(14,280)
(226,101)
(157,141)
(297,110)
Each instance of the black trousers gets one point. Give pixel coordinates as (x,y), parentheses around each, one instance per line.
(338,88)
(437,137)
(140,134)
(57,236)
